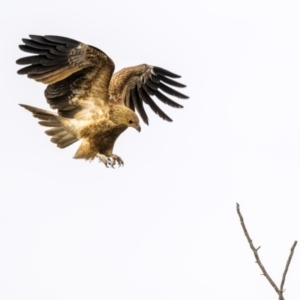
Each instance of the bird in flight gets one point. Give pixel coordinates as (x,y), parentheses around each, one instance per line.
(91,103)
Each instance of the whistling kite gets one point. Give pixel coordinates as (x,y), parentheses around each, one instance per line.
(92,104)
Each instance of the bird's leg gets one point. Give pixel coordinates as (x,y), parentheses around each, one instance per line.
(111,160)
(116,159)
(106,160)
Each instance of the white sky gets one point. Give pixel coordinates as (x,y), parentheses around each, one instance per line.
(164,226)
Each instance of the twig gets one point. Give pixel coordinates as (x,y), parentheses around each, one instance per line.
(255,251)
(287,267)
(258,261)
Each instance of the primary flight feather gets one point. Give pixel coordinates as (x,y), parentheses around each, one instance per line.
(92,103)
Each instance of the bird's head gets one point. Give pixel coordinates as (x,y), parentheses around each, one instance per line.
(121,115)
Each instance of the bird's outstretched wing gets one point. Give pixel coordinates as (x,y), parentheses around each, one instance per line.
(77,74)
(134,86)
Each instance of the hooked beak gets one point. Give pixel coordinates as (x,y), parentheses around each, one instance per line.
(138,128)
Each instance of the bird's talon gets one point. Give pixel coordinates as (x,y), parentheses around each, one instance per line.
(110,161)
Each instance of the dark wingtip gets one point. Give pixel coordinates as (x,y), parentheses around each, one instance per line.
(23,71)
(185,97)
(61,40)
(165,72)
(34,35)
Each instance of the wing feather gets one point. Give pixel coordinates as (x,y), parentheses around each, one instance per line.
(170,81)
(41,40)
(172,92)
(134,86)
(147,99)
(139,105)
(163,98)
(37,59)
(74,72)
(61,40)
(152,84)
(148,89)
(165,72)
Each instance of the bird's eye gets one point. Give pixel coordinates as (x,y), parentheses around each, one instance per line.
(130,121)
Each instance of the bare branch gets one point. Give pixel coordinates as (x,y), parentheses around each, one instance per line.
(255,252)
(287,267)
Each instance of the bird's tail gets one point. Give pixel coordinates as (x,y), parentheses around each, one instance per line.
(60,135)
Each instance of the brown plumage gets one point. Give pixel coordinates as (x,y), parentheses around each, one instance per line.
(92,104)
